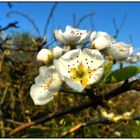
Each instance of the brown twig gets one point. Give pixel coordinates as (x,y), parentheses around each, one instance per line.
(28,18)
(21,49)
(49,17)
(14,122)
(73,92)
(124,87)
(53,115)
(118,29)
(78,126)
(98,121)
(9,4)
(1,113)
(83,18)
(74,20)
(10,25)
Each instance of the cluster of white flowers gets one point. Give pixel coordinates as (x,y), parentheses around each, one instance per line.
(77,68)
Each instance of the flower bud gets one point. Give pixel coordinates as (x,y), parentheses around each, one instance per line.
(57,52)
(44,55)
(100,40)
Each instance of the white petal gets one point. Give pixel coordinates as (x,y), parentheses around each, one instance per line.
(74,85)
(43,55)
(71,55)
(109,38)
(92,58)
(2,35)
(45,74)
(101,40)
(66,48)
(56,83)
(96,76)
(41,79)
(58,36)
(100,43)
(92,36)
(120,51)
(131,50)
(69,28)
(40,96)
(42,70)
(138,54)
(57,52)
(70,38)
(132,59)
(69,60)
(61,68)
(99,33)
(84,36)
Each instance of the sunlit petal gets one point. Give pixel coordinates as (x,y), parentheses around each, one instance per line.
(74,85)
(40,96)
(96,76)
(119,51)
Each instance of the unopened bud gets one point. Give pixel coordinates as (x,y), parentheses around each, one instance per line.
(45,56)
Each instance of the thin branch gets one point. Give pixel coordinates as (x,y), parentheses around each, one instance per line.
(53,115)
(74,20)
(118,29)
(131,40)
(123,20)
(84,17)
(28,18)
(9,4)
(13,122)
(98,121)
(10,25)
(78,126)
(2,124)
(125,87)
(21,49)
(49,17)
(72,92)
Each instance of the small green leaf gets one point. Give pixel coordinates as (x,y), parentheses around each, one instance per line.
(137,122)
(107,69)
(45,38)
(123,74)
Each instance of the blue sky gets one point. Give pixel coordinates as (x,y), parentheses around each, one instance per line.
(105,12)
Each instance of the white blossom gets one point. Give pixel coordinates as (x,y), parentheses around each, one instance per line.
(100,40)
(71,36)
(119,51)
(46,84)
(57,52)
(134,58)
(44,55)
(2,35)
(79,69)
(66,48)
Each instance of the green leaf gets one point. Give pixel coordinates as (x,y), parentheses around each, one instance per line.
(123,74)
(107,69)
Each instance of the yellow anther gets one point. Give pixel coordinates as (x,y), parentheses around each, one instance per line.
(110,58)
(81,74)
(56,94)
(6,53)
(117,118)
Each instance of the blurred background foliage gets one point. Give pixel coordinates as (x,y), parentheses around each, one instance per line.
(18,70)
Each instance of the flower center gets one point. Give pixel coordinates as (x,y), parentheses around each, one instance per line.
(48,84)
(81,74)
